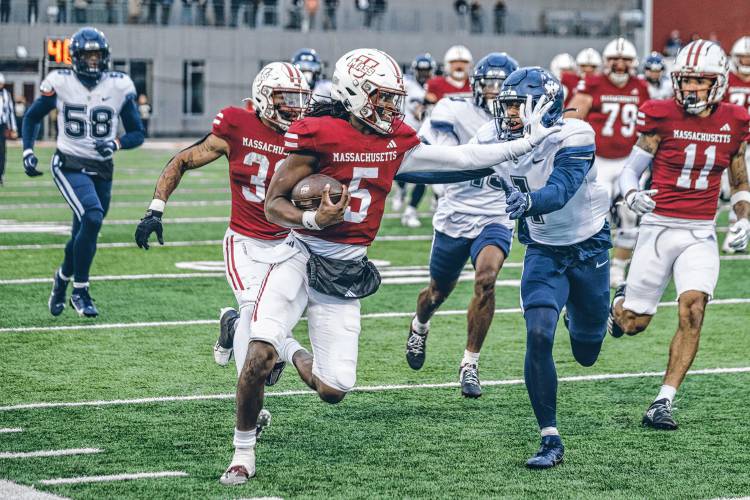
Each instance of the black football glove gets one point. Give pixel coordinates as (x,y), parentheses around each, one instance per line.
(150,223)
(30,161)
(106,148)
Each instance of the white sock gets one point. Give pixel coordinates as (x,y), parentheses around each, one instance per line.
(244,449)
(81,285)
(410,211)
(289,348)
(62,276)
(418,327)
(550,431)
(620,263)
(470,358)
(666,391)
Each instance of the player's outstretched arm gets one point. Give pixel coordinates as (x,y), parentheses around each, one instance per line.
(739,232)
(580,106)
(280,210)
(199,154)
(629,182)
(31,121)
(434,164)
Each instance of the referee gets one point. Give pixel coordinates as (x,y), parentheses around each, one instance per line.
(8,128)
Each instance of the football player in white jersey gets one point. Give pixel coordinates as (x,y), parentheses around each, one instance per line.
(90,101)
(659,83)
(562,213)
(470,222)
(308,62)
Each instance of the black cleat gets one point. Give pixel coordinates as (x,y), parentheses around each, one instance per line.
(416,345)
(276,372)
(224,345)
(56,301)
(613,328)
(550,453)
(659,416)
(468,375)
(83,303)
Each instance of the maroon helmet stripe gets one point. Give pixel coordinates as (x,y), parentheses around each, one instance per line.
(698,52)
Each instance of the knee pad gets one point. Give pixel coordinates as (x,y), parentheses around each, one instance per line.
(540,329)
(341,378)
(93,219)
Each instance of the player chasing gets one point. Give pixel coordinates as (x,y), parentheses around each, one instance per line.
(609,102)
(90,101)
(359,140)
(253,142)
(470,222)
(562,210)
(689,141)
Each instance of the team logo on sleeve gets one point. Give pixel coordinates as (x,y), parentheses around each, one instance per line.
(362,66)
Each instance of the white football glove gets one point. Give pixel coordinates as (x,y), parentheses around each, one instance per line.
(641,202)
(532,119)
(738,235)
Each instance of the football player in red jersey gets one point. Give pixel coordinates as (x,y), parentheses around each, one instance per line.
(563,66)
(688,141)
(609,102)
(455,82)
(588,62)
(359,139)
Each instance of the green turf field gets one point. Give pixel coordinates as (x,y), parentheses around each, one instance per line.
(403,434)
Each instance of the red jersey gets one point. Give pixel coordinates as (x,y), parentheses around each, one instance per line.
(613,113)
(439,86)
(569,82)
(738,92)
(366,163)
(255,152)
(692,154)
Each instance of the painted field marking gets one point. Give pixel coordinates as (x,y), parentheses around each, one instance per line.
(393,314)
(112,477)
(50,453)
(9,430)
(9,489)
(119,244)
(371,388)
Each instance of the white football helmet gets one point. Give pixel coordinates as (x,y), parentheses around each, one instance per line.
(370,85)
(741,48)
(281,93)
(457,53)
(562,62)
(620,48)
(700,59)
(589,57)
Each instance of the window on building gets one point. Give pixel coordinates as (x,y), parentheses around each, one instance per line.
(193,87)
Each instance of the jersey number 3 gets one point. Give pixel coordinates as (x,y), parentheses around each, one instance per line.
(79,123)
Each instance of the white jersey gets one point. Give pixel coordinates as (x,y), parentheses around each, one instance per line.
(84,115)
(660,90)
(466,207)
(415,93)
(585,213)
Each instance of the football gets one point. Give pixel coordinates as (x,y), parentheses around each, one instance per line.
(307,193)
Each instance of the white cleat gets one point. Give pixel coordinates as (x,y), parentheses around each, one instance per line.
(616,276)
(236,475)
(409,218)
(726,248)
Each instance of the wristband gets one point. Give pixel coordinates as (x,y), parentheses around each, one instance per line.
(157,205)
(739,196)
(308,220)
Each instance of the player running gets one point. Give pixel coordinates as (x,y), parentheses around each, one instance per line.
(562,210)
(470,222)
(90,101)
(457,66)
(689,141)
(609,102)
(358,139)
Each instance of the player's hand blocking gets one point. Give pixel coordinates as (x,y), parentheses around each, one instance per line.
(329,213)
(641,202)
(30,163)
(517,202)
(739,235)
(150,223)
(532,118)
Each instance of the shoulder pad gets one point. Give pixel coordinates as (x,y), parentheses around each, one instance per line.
(231,114)
(116,74)
(656,108)
(575,133)
(740,113)
(123,83)
(445,112)
(487,134)
(53,81)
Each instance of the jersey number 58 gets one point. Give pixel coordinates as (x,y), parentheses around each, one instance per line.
(79,123)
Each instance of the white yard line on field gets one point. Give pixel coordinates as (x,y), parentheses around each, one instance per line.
(393,314)
(9,489)
(119,244)
(50,453)
(9,430)
(112,477)
(117,204)
(371,388)
(127,192)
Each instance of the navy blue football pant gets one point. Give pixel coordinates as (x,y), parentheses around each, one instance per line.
(550,281)
(88,197)
(416,193)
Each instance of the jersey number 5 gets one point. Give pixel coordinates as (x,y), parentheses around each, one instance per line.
(363,194)
(98,125)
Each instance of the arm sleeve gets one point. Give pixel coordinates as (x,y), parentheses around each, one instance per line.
(637,163)
(571,166)
(433,164)
(33,117)
(131,120)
